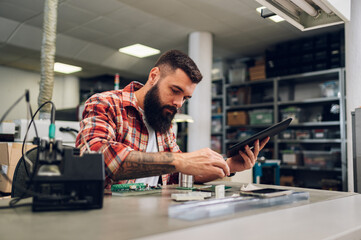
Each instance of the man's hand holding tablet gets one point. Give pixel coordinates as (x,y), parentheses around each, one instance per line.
(241,157)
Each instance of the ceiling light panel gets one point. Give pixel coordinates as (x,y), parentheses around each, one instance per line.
(66,68)
(273,17)
(276,18)
(139,50)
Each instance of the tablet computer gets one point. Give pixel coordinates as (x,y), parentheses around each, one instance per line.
(268,132)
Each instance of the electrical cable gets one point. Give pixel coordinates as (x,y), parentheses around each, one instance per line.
(24,154)
(26,190)
(24,142)
(11,107)
(27,131)
(27,98)
(15,206)
(68,129)
(13,202)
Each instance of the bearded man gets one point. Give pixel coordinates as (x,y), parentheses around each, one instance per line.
(132,127)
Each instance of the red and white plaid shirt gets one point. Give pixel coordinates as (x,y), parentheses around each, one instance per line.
(112,124)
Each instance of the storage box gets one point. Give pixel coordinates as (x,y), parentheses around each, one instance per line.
(219,68)
(261,116)
(320,133)
(325,159)
(303,134)
(331,184)
(236,118)
(291,112)
(237,96)
(244,134)
(216,88)
(287,181)
(216,107)
(257,72)
(321,41)
(10,153)
(287,134)
(292,158)
(329,89)
(237,75)
(216,124)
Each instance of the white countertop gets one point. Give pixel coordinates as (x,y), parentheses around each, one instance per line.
(326,215)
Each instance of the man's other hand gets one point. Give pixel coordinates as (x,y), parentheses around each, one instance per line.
(202,163)
(247,158)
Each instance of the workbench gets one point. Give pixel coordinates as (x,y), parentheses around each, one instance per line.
(326,215)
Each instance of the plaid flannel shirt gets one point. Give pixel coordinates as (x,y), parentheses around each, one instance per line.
(113,125)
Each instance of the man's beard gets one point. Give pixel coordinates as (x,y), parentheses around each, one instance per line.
(155,113)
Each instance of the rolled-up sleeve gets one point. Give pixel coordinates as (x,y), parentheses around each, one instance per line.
(102,119)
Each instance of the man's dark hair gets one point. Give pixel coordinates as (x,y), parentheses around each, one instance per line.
(176,59)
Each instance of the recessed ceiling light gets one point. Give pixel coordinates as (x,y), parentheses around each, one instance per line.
(66,68)
(139,50)
(274,18)
(260,9)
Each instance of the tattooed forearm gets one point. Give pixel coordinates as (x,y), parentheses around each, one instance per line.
(139,164)
(135,170)
(146,158)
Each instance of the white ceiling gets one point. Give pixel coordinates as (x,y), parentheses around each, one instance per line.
(89,32)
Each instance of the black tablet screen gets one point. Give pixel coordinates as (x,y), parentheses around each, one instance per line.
(268,132)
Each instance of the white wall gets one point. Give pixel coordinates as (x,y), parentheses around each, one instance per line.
(13,83)
(353,77)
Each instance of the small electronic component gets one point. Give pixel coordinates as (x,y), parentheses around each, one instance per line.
(190,196)
(220,191)
(209,188)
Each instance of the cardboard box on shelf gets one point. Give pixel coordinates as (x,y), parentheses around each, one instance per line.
(10,153)
(257,72)
(236,118)
(287,181)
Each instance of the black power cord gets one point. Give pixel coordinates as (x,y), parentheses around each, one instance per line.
(27,131)
(30,182)
(12,106)
(26,190)
(68,129)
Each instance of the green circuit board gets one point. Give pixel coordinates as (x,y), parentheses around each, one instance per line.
(128,187)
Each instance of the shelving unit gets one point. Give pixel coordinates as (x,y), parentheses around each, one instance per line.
(303,93)
(218,119)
